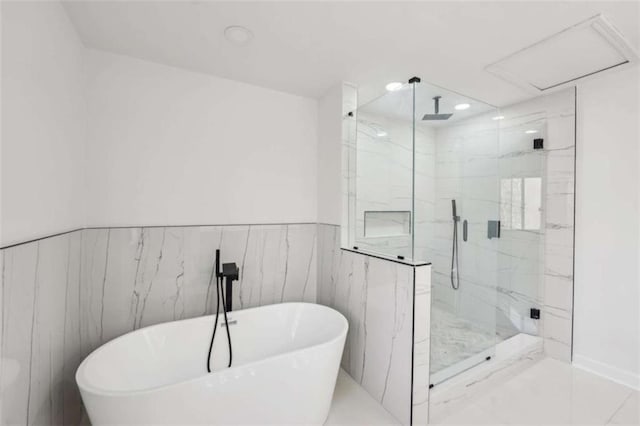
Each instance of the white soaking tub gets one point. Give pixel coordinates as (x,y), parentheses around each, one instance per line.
(285,363)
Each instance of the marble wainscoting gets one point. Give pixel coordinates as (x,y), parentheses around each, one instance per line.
(64,296)
(377,298)
(135,277)
(41,339)
(421,344)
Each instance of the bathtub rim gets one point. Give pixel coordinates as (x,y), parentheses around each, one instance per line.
(84,387)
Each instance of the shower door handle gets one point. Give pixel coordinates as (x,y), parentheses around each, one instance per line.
(464,230)
(493,229)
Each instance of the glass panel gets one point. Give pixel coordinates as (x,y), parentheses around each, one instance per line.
(521,246)
(457,182)
(532,203)
(384,175)
(428,171)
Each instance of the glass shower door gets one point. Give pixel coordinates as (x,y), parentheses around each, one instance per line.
(457,214)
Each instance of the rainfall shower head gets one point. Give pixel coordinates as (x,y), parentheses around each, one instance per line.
(437,115)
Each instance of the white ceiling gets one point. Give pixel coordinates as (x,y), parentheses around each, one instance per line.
(306,47)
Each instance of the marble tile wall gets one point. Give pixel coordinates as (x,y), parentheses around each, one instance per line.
(136,277)
(421,345)
(64,296)
(383,182)
(376,296)
(41,342)
(557,291)
(524,268)
(466,164)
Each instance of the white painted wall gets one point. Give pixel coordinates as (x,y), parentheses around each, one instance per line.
(329,156)
(169,146)
(607,286)
(43,122)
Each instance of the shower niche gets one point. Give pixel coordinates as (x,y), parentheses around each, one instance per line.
(479,193)
(387,224)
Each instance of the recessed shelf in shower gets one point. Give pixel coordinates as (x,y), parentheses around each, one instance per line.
(387,223)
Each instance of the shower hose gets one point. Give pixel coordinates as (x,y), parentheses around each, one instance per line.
(219,295)
(455,277)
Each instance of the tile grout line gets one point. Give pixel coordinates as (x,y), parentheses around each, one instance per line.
(617,410)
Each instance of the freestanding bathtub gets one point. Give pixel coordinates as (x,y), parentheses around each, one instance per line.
(285,364)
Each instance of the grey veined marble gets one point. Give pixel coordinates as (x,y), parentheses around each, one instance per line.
(377,297)
(64,296)
(139,277)
(41,340)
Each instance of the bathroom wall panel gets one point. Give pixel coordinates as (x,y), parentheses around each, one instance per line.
(377,296)
(64,296)
(466,169)
(43,122)
(384,168)
(607,303)
(560,149)
(201,149)
(142,276)
(41,332)
(421,345)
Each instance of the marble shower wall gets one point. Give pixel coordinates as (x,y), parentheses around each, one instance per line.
(466,169)
(383,182)
(536,265)
(64,296)
(559,193)
(525,268)
(377,298)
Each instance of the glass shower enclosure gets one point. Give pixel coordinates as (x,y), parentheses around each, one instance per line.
(430,181)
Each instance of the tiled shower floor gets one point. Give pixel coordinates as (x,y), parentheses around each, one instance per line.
(455,339)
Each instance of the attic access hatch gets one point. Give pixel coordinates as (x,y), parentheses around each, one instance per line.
(582,50)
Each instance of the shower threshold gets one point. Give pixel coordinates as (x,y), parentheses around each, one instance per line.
(462,366)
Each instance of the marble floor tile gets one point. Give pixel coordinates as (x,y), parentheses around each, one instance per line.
(628,413)
(553,393)
(511,358)
(473,415)
(454,339)
(352,405)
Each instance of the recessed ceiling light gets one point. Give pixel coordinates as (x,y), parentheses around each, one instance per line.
(461,107)
(530,132)
(238,35)
(498,117)
(381,133)
(393,86)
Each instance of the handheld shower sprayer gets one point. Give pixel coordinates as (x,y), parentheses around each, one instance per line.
(455,276)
